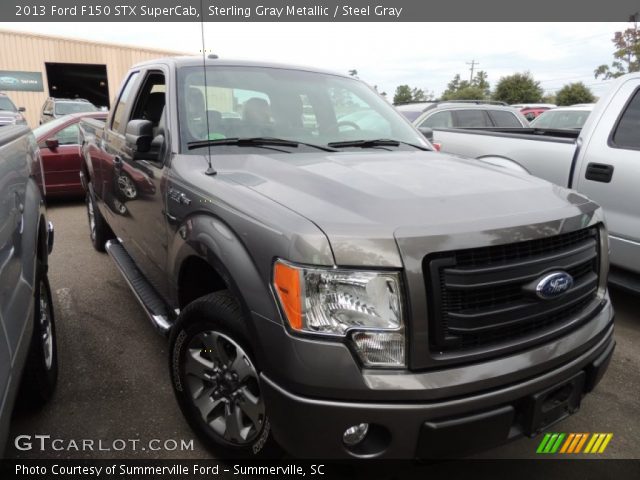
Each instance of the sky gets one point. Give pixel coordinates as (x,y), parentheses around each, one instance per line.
(422,55)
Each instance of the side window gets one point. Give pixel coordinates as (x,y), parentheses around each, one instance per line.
(627,134)
(69,135)
(439,120)
(471,118)
(150,101)
(118,122)
(504,119)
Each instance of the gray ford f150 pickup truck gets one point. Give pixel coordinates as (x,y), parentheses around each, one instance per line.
(602,161)
(339,288)
(28,353)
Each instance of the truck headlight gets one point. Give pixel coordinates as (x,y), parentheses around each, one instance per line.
(365,306)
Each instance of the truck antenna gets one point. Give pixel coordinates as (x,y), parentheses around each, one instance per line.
(210,170)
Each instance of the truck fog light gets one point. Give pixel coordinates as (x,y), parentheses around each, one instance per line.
(380,349)
(354,435)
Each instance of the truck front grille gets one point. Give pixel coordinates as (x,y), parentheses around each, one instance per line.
(484,298)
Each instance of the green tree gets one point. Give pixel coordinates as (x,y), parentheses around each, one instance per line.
(403,94)
(626,58)
(574,93)
(477,89)
(518,88)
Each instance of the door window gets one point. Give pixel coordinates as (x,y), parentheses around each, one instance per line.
(439,120)
(471,119)
(627,133)
(68,136)
(118,122)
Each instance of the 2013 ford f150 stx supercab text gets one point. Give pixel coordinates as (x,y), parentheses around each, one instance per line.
(28,348)
(338,288)
(602,161)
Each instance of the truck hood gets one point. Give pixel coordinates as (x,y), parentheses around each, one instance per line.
(367,203)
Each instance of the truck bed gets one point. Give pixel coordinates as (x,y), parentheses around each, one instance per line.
(546,153)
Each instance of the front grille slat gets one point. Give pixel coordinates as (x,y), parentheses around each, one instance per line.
(484,297)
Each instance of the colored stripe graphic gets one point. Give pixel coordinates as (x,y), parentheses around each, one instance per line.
(573,443)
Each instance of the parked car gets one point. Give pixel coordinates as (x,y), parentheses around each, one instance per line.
(57,107)
(533,110)
(28,348)
(573,117)
(9,113)
(470,115)
(412,110)
(600,160)
(59,142)
(343,292)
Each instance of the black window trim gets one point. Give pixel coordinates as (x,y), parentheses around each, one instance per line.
(613,131)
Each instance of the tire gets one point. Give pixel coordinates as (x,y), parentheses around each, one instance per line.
(40,374)
(215,379)
(99,231)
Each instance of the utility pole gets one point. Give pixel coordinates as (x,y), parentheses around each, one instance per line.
(473,64)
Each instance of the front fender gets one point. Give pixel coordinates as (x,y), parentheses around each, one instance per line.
(211,240)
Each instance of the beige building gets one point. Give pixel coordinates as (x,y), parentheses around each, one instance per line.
(34,67)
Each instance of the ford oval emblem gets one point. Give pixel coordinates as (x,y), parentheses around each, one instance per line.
(554,285)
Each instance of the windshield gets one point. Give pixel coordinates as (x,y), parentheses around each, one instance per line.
(561,119)
(304,107)
(7,105)
(65,108)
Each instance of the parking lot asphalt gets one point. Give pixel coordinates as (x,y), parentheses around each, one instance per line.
(114,382)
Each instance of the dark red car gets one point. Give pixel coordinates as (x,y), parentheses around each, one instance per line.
(60,150)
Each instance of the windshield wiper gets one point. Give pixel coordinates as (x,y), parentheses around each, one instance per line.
(255,142)
(380,142)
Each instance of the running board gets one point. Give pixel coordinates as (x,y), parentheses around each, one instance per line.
(151,302)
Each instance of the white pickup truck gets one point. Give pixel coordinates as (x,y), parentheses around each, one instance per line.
(601,161)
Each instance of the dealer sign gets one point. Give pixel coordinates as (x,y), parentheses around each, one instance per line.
(21,81)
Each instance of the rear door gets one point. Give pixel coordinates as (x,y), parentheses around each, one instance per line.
(110,143)
(610,173)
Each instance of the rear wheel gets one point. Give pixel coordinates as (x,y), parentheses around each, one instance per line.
(216,380)
(99,230)
(41,370)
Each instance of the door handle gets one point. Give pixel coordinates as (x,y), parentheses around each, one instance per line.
(599,172)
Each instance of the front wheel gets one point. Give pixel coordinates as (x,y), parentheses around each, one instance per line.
(215,378)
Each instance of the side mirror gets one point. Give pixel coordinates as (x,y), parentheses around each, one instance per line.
(138,136)
(426,133)
(22,109)
(52,143)
(48,113)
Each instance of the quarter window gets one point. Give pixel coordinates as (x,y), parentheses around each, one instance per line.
(504,119)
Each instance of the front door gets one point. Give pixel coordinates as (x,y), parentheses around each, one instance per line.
(140,186)
(610,175)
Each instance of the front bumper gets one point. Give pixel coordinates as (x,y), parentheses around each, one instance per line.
(309,427)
